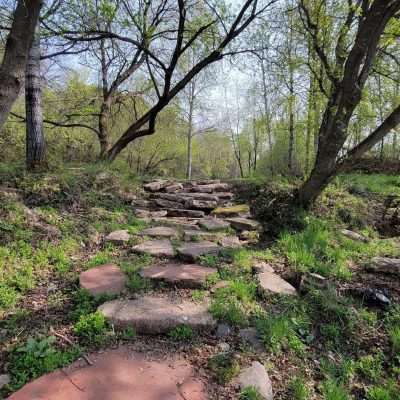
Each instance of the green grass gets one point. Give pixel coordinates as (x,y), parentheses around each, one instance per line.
(224,366)
(250,393)
(299,389)
(372,183)
(181,333)
(91,328)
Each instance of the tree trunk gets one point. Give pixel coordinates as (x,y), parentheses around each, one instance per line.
(35,142)
(19,40)
(189,139)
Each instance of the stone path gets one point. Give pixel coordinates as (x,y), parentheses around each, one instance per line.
(118,375)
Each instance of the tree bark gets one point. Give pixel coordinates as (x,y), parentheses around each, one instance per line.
(190,132)
(19,40)
(35,142)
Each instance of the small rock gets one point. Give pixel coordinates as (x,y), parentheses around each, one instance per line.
(51,288)
(250,336)
(176,187)
(223,330)
(261,266)
(385,265)
(4,380)
(271,282)
(244,224)
(376,297)
(118,237)
(354,236)
(219,285)
(257,377)
(230,242)
(223,347)
(200,204)
(160,248)
(213,224)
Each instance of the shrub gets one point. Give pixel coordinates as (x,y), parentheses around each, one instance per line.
(91,328)
(225,367)
(250,393)
(181,333)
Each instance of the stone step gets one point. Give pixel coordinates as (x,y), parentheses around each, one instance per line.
(193,234)
(158,248)
(243,224)
(213,224)
(160,231)
(175,212)
(269,282)
(201,204)
(104,279)
(118,237)
(193,250)
(183,222)
(156,315)
(211,188)
(190,276)
(233,211)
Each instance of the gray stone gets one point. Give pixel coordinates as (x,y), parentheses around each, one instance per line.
(104,279)
(191,235)
(5,379)
(243,224)
(354,236)
(160,231)
(192,250)
(176,212)
(223,347)
(385,265)
(201,204)
(141,203)
(180,222)
(310,281)
(118,237)
(168,204)
(182,275)
(213,224)
(261,266)
(250,336)
(200,196)
(271,282)
(155,315)
(219,285)
(257,377)
(223,330)
(231,242)
(210,188)
(160,248)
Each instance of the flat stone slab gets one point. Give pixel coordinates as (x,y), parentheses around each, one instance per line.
(192,250)
(160,248)
(118,375)
(256,377)
(271,282)
(177,212)
(182,275)
(104,279)
(155,315)
(118,237)
(213,224)
(160,231)
(385,265)
(230,242)
(156,185)
(232,211)
(243,224)
(354,235)
(194,234)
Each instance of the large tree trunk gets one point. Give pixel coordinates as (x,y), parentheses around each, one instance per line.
(35,143)
(12,70)
(190,135)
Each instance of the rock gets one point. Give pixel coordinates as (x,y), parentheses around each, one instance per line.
(182,275)
(385,265)
(199,196)
(271,282)
(257,377)
(225,195)
(12,194)
(176,187)
(223,347)
(250,336)
(158,214)
(156,185)
(200,204)
(192,250)
(160,231)
(354,236)
(118,237)
(192,235)
(169,196)
(180,222)
(232,211)
(373,297)
(159,248)
(243,224)
(310,281)
(5,379)
(213,224)
(219,285)
(206,182)
(175,212)
(155,315)
(119,374)
(51,288)
(230,242)
(210,188)
(104,279)
(261,266)
(223,330)
(168,204)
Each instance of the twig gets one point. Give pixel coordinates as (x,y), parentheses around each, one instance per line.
(69,341)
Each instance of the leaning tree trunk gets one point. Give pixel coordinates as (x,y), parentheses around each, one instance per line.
(35,143)
(12,69)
